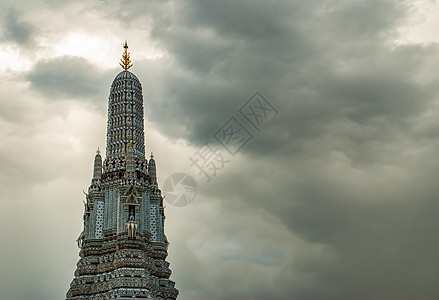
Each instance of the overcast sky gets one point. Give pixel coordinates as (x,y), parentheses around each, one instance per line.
(334,197)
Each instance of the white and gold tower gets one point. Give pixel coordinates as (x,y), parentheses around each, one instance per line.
(123,245)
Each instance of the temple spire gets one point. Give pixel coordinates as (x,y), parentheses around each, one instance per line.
(125,62)
(97,170)
(123,243)
(125,114)
(152,171)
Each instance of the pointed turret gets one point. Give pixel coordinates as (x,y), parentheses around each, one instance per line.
(152,171)
(97,170)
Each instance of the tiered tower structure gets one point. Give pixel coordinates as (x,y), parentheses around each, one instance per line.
(123,245)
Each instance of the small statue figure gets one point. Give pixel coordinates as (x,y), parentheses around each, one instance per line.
(131,228)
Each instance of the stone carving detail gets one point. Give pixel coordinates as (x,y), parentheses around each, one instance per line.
(154,222)
(99,219)
(80,239)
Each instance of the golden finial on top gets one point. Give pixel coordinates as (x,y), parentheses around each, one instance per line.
(152,155)
(125,62)
(98,151)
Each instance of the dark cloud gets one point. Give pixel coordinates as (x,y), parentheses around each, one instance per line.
(375,224)
(70,77)
(16,30)
(338,165)
(312,66)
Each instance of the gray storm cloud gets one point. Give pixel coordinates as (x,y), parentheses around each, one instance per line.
(335,198)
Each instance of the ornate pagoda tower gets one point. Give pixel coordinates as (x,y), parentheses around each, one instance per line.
(123,245)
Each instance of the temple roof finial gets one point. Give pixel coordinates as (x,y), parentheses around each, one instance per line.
(152,155)
(98,151)
(125,62)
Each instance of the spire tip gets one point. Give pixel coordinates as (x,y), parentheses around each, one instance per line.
(125,62)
